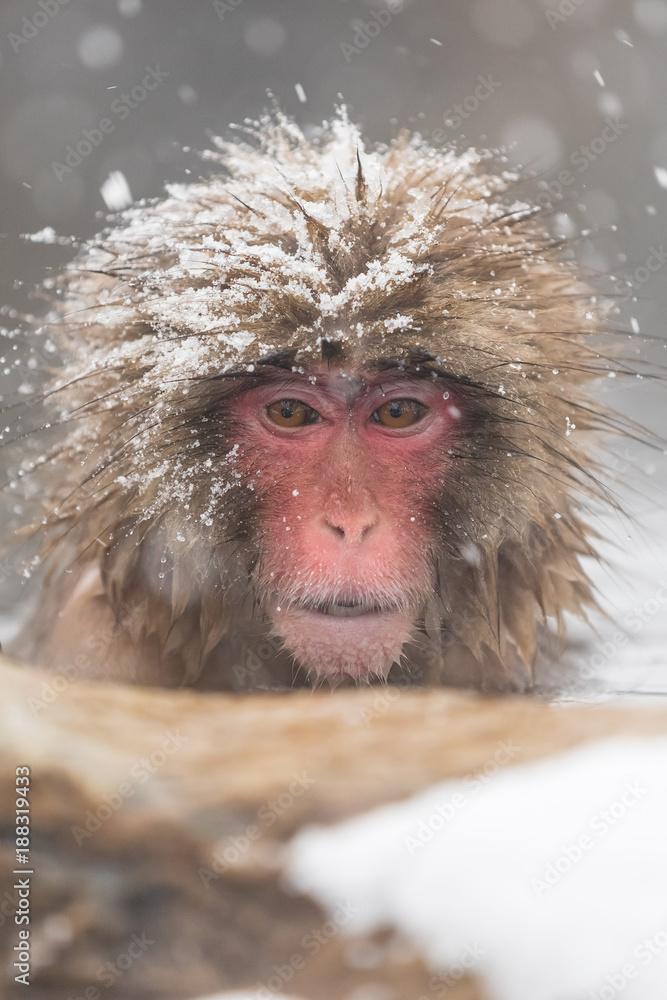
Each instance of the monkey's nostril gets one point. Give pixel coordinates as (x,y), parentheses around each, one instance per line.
(353,531)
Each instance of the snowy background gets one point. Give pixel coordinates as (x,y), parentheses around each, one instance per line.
(553,73)
(544,77)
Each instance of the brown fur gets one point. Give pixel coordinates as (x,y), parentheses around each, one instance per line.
(165,312)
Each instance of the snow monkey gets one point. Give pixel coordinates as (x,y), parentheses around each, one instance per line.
(323,416)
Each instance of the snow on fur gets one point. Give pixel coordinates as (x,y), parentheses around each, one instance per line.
(318,249)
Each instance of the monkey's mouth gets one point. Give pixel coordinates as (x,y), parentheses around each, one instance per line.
(344,637)
(323,610)
(346,609)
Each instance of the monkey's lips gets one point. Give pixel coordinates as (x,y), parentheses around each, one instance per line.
(346,609)
(344,638)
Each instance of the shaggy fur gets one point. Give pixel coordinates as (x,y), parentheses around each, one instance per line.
(303,250)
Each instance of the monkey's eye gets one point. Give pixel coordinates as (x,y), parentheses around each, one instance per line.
(399,413)
(291,413)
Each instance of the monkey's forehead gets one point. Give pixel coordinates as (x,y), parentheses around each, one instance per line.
(464,290)
(312,251)
(344,362)
(312,236)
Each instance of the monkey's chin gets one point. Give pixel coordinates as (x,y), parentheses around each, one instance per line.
(335,648)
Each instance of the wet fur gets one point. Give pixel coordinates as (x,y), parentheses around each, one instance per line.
(269,260)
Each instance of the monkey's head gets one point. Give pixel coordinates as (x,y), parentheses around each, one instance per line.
(332,393)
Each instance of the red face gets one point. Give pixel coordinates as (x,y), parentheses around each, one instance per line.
(346,467)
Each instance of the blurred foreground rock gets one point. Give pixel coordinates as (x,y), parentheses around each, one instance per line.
(158,820)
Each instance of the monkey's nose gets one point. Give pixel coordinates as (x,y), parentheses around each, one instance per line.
(351,528)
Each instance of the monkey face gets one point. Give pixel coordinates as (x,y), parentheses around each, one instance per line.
(338,386)
(345,466)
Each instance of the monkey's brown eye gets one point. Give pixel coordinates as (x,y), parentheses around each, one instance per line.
(399,413)
(291,413)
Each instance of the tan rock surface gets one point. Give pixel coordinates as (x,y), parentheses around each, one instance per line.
(161,814)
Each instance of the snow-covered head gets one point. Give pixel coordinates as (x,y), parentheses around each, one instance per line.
(334,394)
